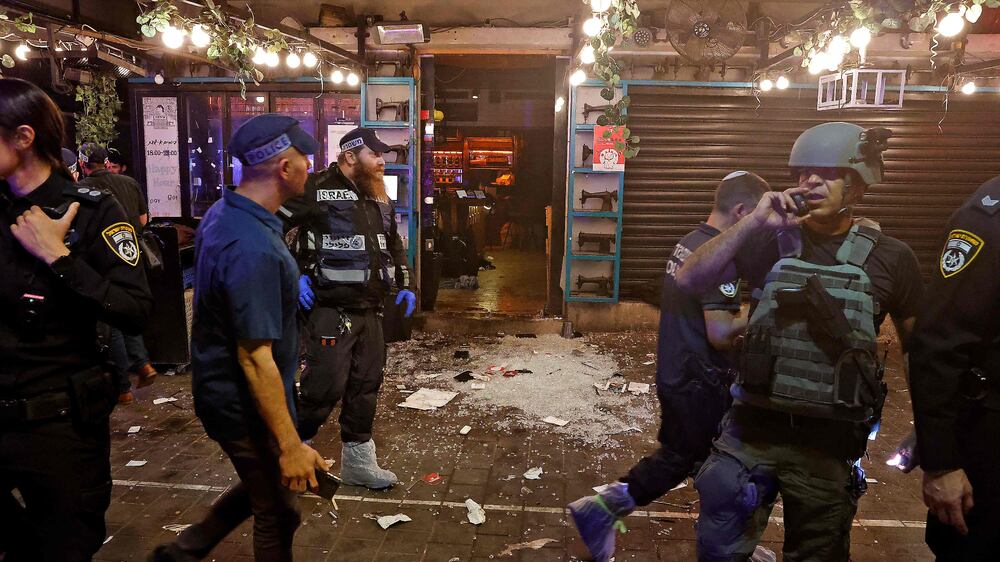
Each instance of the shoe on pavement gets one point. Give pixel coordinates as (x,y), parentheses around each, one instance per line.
(597,518)
(146,375)
(359,467)
(126,398)
(761,554)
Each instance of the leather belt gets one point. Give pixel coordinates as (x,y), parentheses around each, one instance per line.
(37,408)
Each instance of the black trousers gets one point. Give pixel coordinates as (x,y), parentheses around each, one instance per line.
(62,473)
(346,366)
(689,420)
(259,494)
(981,450)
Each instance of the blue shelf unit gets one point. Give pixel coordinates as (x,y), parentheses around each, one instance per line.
(577,259)
(408,171)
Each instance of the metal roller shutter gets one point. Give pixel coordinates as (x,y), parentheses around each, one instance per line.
(691,140)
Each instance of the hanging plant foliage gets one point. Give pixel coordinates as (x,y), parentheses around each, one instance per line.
(97,122)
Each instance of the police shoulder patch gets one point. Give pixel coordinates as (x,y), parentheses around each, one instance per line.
(960,250)
(728,290)
(120,237)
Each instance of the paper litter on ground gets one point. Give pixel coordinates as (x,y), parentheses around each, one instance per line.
(638,387)
(555,421)
(136,463)
(134,429)
(476,515)
(387,521)
(164,400)
(465,430)
(428,377)
(477,386)
(533,545)
(176,527)
(648,362)
(428,399)
(533,473)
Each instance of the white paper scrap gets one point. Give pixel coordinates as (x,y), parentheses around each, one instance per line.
(555,421)
(135,463)
(465,430)
(387,521)
(638,387)
(601,488)
(164,400)
(428,377)
(478,386)
(176,528)
(648,362)
(477,515)
(679,486)
(134,429)
(107,540)
(427,399)
(533,473)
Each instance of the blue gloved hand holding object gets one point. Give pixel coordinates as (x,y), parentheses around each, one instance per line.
(306,296)
(411,301)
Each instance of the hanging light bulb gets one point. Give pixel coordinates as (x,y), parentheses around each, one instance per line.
(833,60)
(951,25)
(309,59)
(839,45)
(781,83)
(592,27)
(818,63)
(293,60)
(578,77)
(861,37)
(969,88)
(353,79)
(766,85)
(22,51)
(337,76)
(973,13)
(272,59)
(199,37)
(159,79)
(587,54)
(173,38)
(600,6)
(259,56)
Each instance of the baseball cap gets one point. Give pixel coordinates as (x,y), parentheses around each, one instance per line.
(92,152)
(115,156)
(69,159)
(363,137)
(265,136)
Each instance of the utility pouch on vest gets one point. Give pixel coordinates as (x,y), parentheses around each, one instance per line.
(93,395)
(757,360)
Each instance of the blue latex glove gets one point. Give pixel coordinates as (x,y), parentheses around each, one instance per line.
(307,298)
(411,301)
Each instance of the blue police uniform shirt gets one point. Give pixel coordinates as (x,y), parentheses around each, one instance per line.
(245,289)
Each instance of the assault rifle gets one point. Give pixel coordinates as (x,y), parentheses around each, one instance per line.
(606,198)
(603,241)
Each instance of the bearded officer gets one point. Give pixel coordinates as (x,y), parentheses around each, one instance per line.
(351,256)
(955,380)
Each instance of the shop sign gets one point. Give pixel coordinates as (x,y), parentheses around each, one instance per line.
(161,149)
(606,157)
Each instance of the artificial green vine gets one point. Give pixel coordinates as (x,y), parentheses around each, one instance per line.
(619,22)
(232,43)
(22,23)
(97,123)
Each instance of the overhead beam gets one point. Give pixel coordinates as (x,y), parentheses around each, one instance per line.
(977,67)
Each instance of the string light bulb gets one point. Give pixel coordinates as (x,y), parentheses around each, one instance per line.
(951,25)
(293,60)
(587,54)
(173,38)
(839,45)
(592,26)
(781,83)
(578,77)
(259,56)
(861,37)
(337,76)
(200,37)
(309,59)
(353,79)
(22,51)
(969,88)
(272,59)
(766,85)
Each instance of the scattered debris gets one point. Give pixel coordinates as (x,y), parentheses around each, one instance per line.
(462,354)
(135,463)
(533,545)
(432,478)
(477,515)
(510,374)
(134,429)
(526,490)
(871,480)
(555,421)
(158,401)
(428,399)
(387,521)
(679,486)
(647,363)
(107,540)
(400,387)
(464,376)
(333,514)
(509,477)
(465,430)
(588,364)
(525,336)
(428,377)
(177,528)
(533,473)
(638,388)
(478,386)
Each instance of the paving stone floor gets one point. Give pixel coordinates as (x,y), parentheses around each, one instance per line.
(185,472)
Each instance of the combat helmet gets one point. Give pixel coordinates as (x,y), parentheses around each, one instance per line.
(841,145)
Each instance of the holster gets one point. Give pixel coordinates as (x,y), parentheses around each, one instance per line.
(93,395)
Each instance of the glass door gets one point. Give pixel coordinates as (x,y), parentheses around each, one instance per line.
(205,151)
(240,111)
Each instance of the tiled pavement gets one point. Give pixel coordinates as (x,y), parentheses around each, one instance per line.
(186,471)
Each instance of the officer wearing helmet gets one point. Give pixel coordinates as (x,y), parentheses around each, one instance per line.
(809,386)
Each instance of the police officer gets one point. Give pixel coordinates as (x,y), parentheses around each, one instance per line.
(791,430)
(955,381)
(351,256)
(70,260)
(692,375)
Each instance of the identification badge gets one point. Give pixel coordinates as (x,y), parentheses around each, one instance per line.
(960,250)
(381,241)
(120,237)
(728,290)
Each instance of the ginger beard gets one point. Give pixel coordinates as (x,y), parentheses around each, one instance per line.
(372,181)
